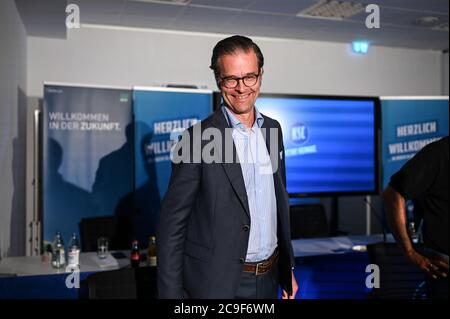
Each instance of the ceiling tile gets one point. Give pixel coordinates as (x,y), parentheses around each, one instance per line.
(269,18)
(100,11)
(232,4)
(438,6)
(400,17)
(291,7)
(257,20)
(45,18)
(149,15)
(204,19)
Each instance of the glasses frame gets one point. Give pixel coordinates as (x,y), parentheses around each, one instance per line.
(222,80)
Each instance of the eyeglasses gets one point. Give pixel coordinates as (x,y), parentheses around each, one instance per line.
(232,82)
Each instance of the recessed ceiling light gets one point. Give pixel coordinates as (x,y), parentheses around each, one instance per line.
(427,21)
(441,27)
(332,9)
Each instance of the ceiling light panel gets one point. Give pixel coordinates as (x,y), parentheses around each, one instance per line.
(332,9)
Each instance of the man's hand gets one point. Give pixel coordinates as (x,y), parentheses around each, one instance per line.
(285,295)
(432,265)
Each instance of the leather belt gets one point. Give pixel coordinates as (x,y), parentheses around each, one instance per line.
(260,268)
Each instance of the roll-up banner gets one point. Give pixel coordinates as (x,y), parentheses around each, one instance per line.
(87,154)
(161,114)
(408,124)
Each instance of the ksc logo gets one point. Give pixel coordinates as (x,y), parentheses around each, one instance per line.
(299,133)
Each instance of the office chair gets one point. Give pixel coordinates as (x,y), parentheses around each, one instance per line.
(146,285)
(399,279)
(114,284)
(126,283)
(117,229)
(308,221)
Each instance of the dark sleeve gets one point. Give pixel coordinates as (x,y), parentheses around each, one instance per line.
(417,176)
(175,211)
(283,159)
(283,178)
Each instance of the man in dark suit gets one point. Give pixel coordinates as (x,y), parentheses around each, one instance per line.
(224,228)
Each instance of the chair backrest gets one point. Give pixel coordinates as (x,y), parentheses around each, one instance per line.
(146,285)
(118,230)
(114,284)
(308,221)
(127,283)
(399,279)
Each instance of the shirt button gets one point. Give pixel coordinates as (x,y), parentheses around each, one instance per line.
(246,227)
(242,260)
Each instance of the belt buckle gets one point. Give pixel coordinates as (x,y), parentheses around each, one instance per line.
(257,268)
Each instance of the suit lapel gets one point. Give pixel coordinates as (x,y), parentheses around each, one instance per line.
(266,134)
(273,153)
(280,193)
(233,170)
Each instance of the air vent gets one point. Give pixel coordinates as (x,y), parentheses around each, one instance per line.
(332,9)
(441,27)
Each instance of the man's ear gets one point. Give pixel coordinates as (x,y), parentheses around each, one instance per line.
(218,85)
(217,78)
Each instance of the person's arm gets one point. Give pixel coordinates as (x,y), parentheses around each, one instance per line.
(395,212)
(397,220)
(175,211)
(285,294)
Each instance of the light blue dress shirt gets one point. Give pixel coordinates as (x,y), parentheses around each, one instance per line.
(258,179)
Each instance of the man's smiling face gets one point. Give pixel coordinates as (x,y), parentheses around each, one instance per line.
(240,99)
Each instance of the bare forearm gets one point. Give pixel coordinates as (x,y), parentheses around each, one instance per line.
(395,212)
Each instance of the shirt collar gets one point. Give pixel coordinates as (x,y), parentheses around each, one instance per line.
(235,123)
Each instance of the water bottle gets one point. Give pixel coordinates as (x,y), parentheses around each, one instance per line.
(74,252)
(46,256)
(412,233)
(151,251)
(420,232)
(59,255)
(409,204)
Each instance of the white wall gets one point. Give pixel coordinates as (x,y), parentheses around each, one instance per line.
(12,129)
(112,56)
(445,73)
(136,57)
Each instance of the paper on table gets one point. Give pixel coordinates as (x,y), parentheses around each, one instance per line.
(321,246)
(342,244)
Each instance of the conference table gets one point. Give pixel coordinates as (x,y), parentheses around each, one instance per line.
(30,278)
(331,267)
(334,267)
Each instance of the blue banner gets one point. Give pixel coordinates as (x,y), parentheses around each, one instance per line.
(160,116)
(408,124)
(87,155)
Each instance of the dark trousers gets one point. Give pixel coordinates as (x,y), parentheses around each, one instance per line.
(264,286)
(437,288)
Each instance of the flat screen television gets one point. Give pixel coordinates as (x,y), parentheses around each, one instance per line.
(331,143)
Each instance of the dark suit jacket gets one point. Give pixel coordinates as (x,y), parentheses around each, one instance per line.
(202,238)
